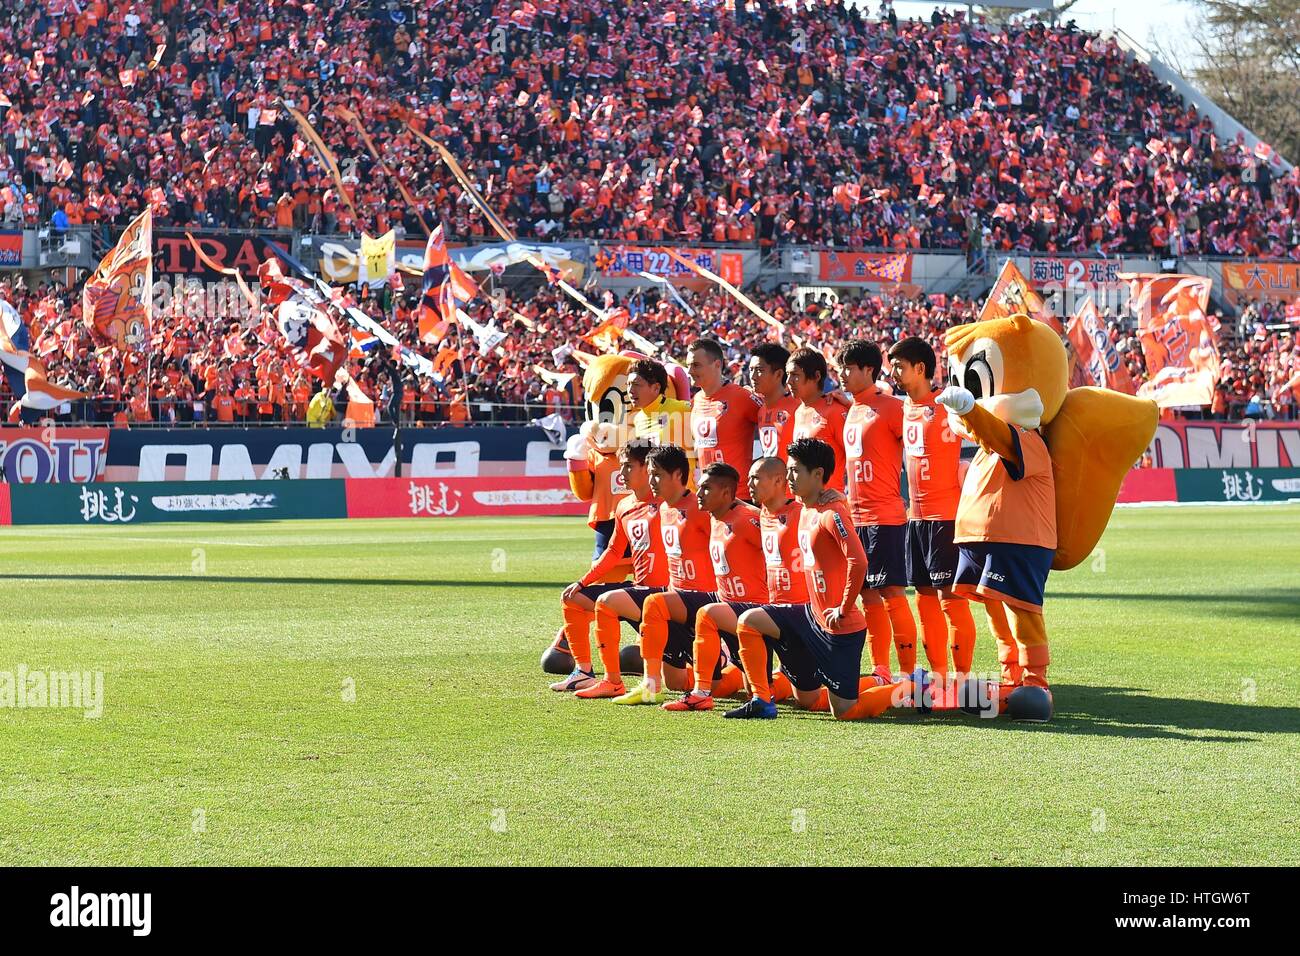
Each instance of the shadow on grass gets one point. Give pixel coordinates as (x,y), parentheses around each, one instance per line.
(1264,602)
(327,582)
(1133,713)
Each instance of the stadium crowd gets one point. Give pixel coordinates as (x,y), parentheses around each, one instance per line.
(623,120)
(225,370)
(674,121)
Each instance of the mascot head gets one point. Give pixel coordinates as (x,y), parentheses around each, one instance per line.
(1015,367)
(605,399)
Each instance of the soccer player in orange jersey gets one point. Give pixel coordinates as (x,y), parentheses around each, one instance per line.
(820,415)
(684,538)
(743,576)
(723,415)
(779,523)
(666,635)
(932,454)
(735,555)
(636,529)
(820,643)
(873,453)
(768,380)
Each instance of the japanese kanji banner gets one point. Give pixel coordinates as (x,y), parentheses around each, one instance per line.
(624,262)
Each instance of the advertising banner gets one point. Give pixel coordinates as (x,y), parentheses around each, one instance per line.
(461,497)
(852,267)
(36,455)
(143,502)
(1238,485)
(1148,484)
(1226,445)
(239,454)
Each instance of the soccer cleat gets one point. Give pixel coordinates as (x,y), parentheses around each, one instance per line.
(601,690)
(754,709)
(691,701)
(883,671)
(575,681)
(642,694)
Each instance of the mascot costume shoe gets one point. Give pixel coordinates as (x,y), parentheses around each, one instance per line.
(1041,488)
(592,457)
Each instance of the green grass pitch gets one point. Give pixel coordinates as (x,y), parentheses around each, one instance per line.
(342,692)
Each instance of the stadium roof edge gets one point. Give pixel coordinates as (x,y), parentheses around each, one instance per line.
(1225,124)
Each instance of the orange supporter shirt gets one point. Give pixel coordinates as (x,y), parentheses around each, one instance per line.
(636,527)
(736,550)
(835,565)
(608,487)
(873,455)
(686,530)
(824,421)
(932,454)
(776,426)
(786,583)
(1009,503)
(722,426)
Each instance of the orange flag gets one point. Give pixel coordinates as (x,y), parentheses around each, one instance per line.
(1013,294)
(117,301)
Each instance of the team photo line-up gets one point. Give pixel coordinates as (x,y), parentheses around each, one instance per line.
(769,522)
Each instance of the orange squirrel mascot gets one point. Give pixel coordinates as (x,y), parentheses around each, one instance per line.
(1041,488)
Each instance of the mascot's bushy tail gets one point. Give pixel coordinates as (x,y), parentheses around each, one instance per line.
(1094,440)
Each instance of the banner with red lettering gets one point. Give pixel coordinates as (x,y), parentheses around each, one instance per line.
(117,301)
(1094,351)
(242,251)
(461,497)
(864,267)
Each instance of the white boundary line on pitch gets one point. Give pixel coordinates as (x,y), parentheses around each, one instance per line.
(1205,504)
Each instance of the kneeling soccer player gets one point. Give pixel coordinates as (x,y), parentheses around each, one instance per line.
(636,528)
(736,552)
(687,529)
(684,537)
(820,643)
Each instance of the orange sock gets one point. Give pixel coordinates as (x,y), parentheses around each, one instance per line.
(934,632)
(961,631)
(654,638)
(731,681)
(577,630)
(753,654)
(879,632)
(1008,652)
(1031,637)
(707,650)
(782,689)
(607,640)
(904,627)
(872,702)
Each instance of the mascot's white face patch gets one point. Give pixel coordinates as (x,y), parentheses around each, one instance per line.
(980,369)
(607,416)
